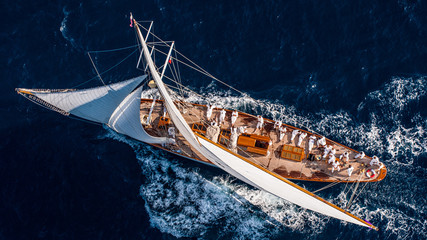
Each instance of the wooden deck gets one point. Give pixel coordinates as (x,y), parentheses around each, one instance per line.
(281,157)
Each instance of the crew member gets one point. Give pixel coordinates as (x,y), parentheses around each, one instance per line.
(344,156)
(336,166)
(209,111)
(331,158)
(282,131)
(234,116)
(375,161)
(260,122)
(222,116)
(321,142)
(277,124)
(294,134)
(350,170)
(360,155)
(301,138)
(311,142)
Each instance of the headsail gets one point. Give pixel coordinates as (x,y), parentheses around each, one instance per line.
(94,104)
(126,119)
(242,168)
(111,105)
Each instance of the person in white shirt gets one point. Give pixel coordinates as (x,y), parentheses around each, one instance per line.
(311,142)
(331,158)
(344,157)
(301,138)
(350,170)
(242,129)
(282,131)
(360,155)
(336,166)
(321,142)
(260,122)
(222,116)
(234,116)
(374,161)
(294,134)
(277,124)
(209,111)
(326,151)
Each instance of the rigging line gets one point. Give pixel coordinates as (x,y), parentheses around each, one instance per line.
(354,191)
(113,50)
(346,186)
(95,69)
(106,70)
(366,183)
(327,186)
(179,72)
(188,89)
(200,68)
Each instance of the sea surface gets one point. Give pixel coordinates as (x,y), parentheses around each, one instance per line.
(354,71)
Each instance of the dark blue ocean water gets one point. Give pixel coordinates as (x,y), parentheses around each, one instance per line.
(355,71)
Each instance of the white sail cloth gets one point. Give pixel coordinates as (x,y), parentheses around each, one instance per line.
(94,104)
(126,120)
(274,184)
(113,105)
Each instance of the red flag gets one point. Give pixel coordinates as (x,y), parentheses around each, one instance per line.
(170,61)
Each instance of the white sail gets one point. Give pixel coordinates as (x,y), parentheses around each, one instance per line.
(242,168)
(94,104)
(126,119)
(277,185)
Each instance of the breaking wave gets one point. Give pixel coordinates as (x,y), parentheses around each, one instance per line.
(185,200)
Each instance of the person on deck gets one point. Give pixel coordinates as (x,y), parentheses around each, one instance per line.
(375,161)
(282,131)
(331,158)
(277,124)
(242,129)
(209,111)
(234,116)
(326,151)
(360,155)
(260,122)
(344,157)
(222,116)
(294,134)
(321,142)
(311,142)
(301,138)
(333,150)
(350,170)
(336,166)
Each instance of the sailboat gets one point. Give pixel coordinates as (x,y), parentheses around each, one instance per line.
(260,152)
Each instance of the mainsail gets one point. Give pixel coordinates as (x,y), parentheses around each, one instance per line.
(240,167)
